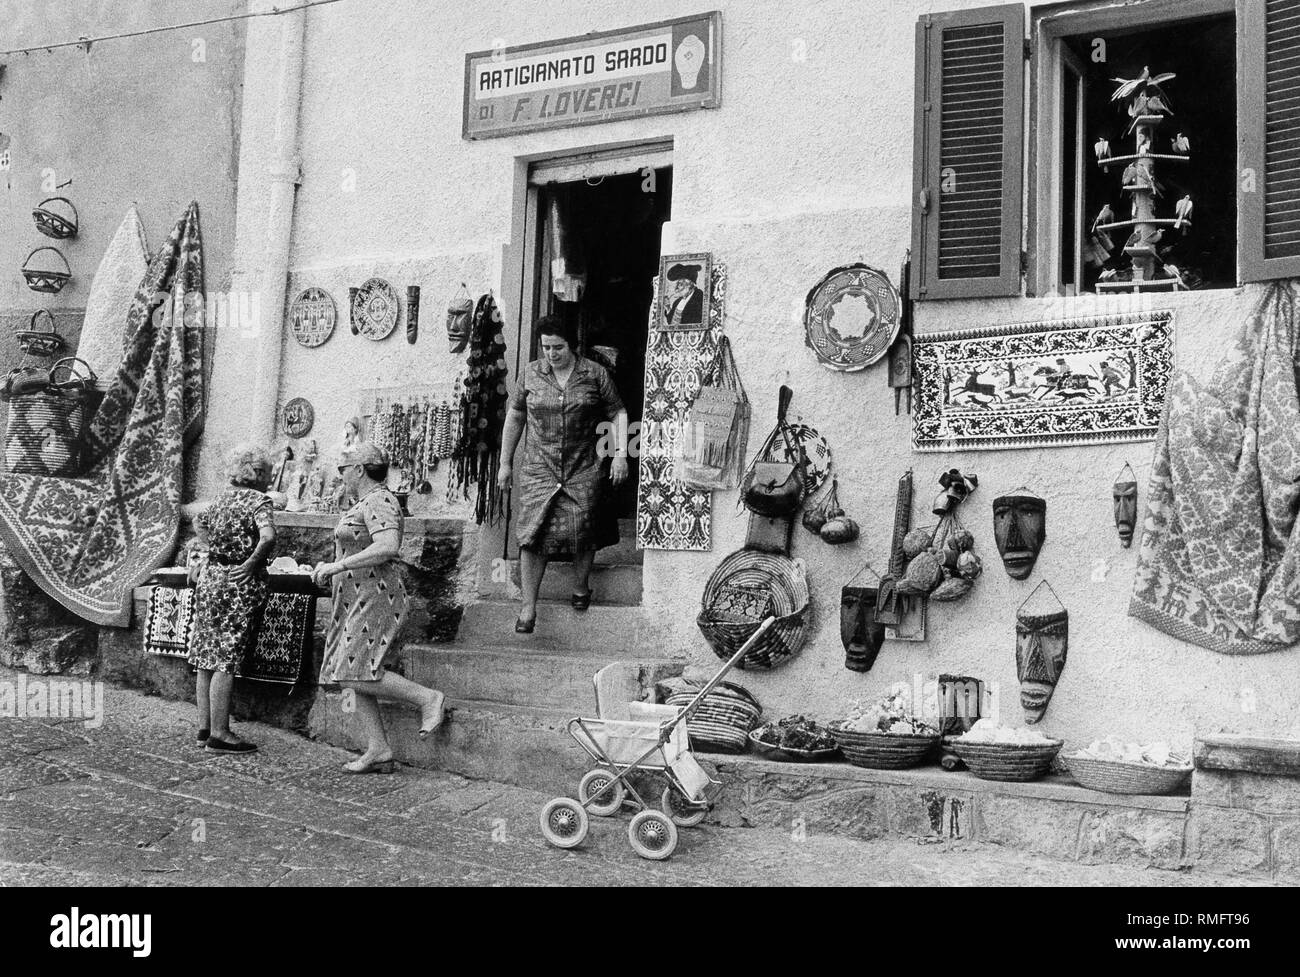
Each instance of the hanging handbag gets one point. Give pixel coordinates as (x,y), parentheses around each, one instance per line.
(774,487)
(717,429)
(45,431)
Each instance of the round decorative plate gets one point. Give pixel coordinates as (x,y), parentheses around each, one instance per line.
(375,309)
(298,418)
(851,318)
(311,317)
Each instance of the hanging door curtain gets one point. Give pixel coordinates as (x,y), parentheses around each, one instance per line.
(1219,562)
(670,516)
(87,542)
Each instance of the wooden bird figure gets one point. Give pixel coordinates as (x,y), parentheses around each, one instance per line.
(1184,210)
(1127,86)
(1102,148)
(1106,216)
(1181,144)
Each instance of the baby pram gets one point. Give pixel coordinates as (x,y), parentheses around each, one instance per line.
(652,738)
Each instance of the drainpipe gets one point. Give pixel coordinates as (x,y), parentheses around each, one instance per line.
(269,173)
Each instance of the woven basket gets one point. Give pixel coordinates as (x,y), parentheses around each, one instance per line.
(1118,777)
(49,280)
(52,223)
(722,722)
(786,581)
(884,751)
(1006,761)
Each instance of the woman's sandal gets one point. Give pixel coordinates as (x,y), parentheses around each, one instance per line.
(374,766)
(581,602)
(525,627)
(426,726)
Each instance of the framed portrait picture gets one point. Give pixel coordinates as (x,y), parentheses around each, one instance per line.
(684,291)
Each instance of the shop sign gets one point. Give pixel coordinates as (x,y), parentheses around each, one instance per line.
(671,66)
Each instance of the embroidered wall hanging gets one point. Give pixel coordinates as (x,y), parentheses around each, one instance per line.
(169,621)
(1046,384)
(669,516)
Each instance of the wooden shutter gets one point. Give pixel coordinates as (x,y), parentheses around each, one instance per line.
(969,153)
(1268,122)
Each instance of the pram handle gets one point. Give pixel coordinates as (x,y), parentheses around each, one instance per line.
(714,682)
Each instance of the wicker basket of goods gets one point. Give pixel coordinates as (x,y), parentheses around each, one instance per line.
(1129,768)
(723,720)
(885,735)
(993,752)
(795,739)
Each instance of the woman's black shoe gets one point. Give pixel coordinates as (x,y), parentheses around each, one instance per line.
(525,627)
(581,602)
(202,737)
(221,746)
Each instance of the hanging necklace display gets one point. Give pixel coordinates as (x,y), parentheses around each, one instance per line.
(1125,494)
(851,318)
(58,220)
(1042,637)
(375,309)
(412,312)
(49,280)
(299,416)
(39,342)
(860,632)
(311,317)
(1019,528)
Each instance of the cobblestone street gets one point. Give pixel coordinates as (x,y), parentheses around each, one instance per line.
(135,802)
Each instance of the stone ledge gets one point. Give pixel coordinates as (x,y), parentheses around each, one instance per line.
(1250,754)
(1052,788)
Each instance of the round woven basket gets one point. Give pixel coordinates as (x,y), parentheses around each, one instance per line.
(786,580)
(884,751)
(787,754)
(723,720)
(1119,777)
(1006,761)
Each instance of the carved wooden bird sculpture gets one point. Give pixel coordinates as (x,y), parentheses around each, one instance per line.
(1181,144)
(1102,148)
(1106,216)
(1184,211)
(1127,86)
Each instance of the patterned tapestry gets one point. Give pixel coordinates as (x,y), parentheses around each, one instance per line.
(168,621)
(1043,384)
(668,515)
(1219,563)
(87,542)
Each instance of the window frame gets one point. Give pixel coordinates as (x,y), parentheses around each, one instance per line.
(1048,26)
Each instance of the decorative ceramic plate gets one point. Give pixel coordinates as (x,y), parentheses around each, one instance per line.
(851,318)
(376,309)
(298,418)
(311,316)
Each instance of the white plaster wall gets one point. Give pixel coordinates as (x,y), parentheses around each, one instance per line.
(806,165)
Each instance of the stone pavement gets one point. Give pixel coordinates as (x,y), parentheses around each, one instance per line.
(136,802)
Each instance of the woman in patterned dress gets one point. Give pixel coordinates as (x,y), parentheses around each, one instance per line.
(230,591)
(370,607)
(562,398)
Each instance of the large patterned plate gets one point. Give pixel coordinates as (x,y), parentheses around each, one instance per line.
(311,317)
(851,318)
(375,309)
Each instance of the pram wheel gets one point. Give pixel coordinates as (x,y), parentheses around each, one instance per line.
(593,782)
(653,835)
(684,814)
(564,822)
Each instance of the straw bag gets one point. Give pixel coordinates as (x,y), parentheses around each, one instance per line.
(724,718)
(47,419)
(717,429)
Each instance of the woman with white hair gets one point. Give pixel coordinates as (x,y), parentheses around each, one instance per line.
(230,591)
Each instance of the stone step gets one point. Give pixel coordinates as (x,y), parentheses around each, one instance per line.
(619,584)
(515,676)
(607,629)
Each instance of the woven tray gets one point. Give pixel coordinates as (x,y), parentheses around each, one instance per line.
(884,751)
(1118,777)
(1006,761)
(787,582)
